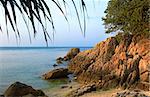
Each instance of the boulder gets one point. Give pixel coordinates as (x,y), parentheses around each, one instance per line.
(82,90)
(59,60)
(1,95)
(56,73)
(54,65)
(19,89)
(72,53)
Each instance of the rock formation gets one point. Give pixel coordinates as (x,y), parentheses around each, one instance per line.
(71,54)
(19,89)
(56,73)
(127,93)
(82,90)
(115,63)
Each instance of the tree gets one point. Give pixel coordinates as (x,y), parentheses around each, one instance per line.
(35,9)
(127,16)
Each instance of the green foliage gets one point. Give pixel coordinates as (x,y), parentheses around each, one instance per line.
(119,37)
(130,16)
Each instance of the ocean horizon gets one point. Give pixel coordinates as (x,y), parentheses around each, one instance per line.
(27,64)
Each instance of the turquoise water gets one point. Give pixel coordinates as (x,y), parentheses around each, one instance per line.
(28,64)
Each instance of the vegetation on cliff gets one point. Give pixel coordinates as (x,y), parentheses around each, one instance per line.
(128,16)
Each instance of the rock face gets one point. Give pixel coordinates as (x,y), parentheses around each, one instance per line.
(56,73)
(82,90)
(111,63)
(19,89)
(72,53)
(130,94)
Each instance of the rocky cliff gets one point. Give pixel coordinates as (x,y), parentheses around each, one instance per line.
(115,62)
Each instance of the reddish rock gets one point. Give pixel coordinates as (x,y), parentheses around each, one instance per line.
(144,68)
(124,64)
(56,73)
(19,89)
(59,60)
(82,90)
(123,56)
(144,86)
(71,54)
(133,93)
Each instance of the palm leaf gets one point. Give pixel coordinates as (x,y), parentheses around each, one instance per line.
(1,29)
(84,9)
(60,9)
(32,9)
(77,15)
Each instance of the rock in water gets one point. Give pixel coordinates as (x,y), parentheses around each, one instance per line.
(72,53)
(56,73)
(59,58)
(55,65)
(59,62)
(19,89)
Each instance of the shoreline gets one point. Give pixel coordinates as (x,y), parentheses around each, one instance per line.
(79,62)
(63,92)
(124,66)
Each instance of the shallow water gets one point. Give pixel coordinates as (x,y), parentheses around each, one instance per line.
(27,65)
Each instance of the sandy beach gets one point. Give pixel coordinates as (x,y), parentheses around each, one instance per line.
(63,92)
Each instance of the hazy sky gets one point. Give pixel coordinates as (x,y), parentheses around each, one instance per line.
(66,35)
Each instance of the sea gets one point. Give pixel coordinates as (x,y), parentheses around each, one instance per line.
(28,64)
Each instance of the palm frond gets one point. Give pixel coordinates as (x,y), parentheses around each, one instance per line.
(77,13)
(1,29)
(34,10)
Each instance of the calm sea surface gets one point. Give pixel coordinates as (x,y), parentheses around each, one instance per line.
(28,64)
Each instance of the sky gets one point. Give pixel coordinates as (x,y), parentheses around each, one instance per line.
(67,34)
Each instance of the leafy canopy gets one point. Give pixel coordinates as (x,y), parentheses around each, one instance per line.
(128,16)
